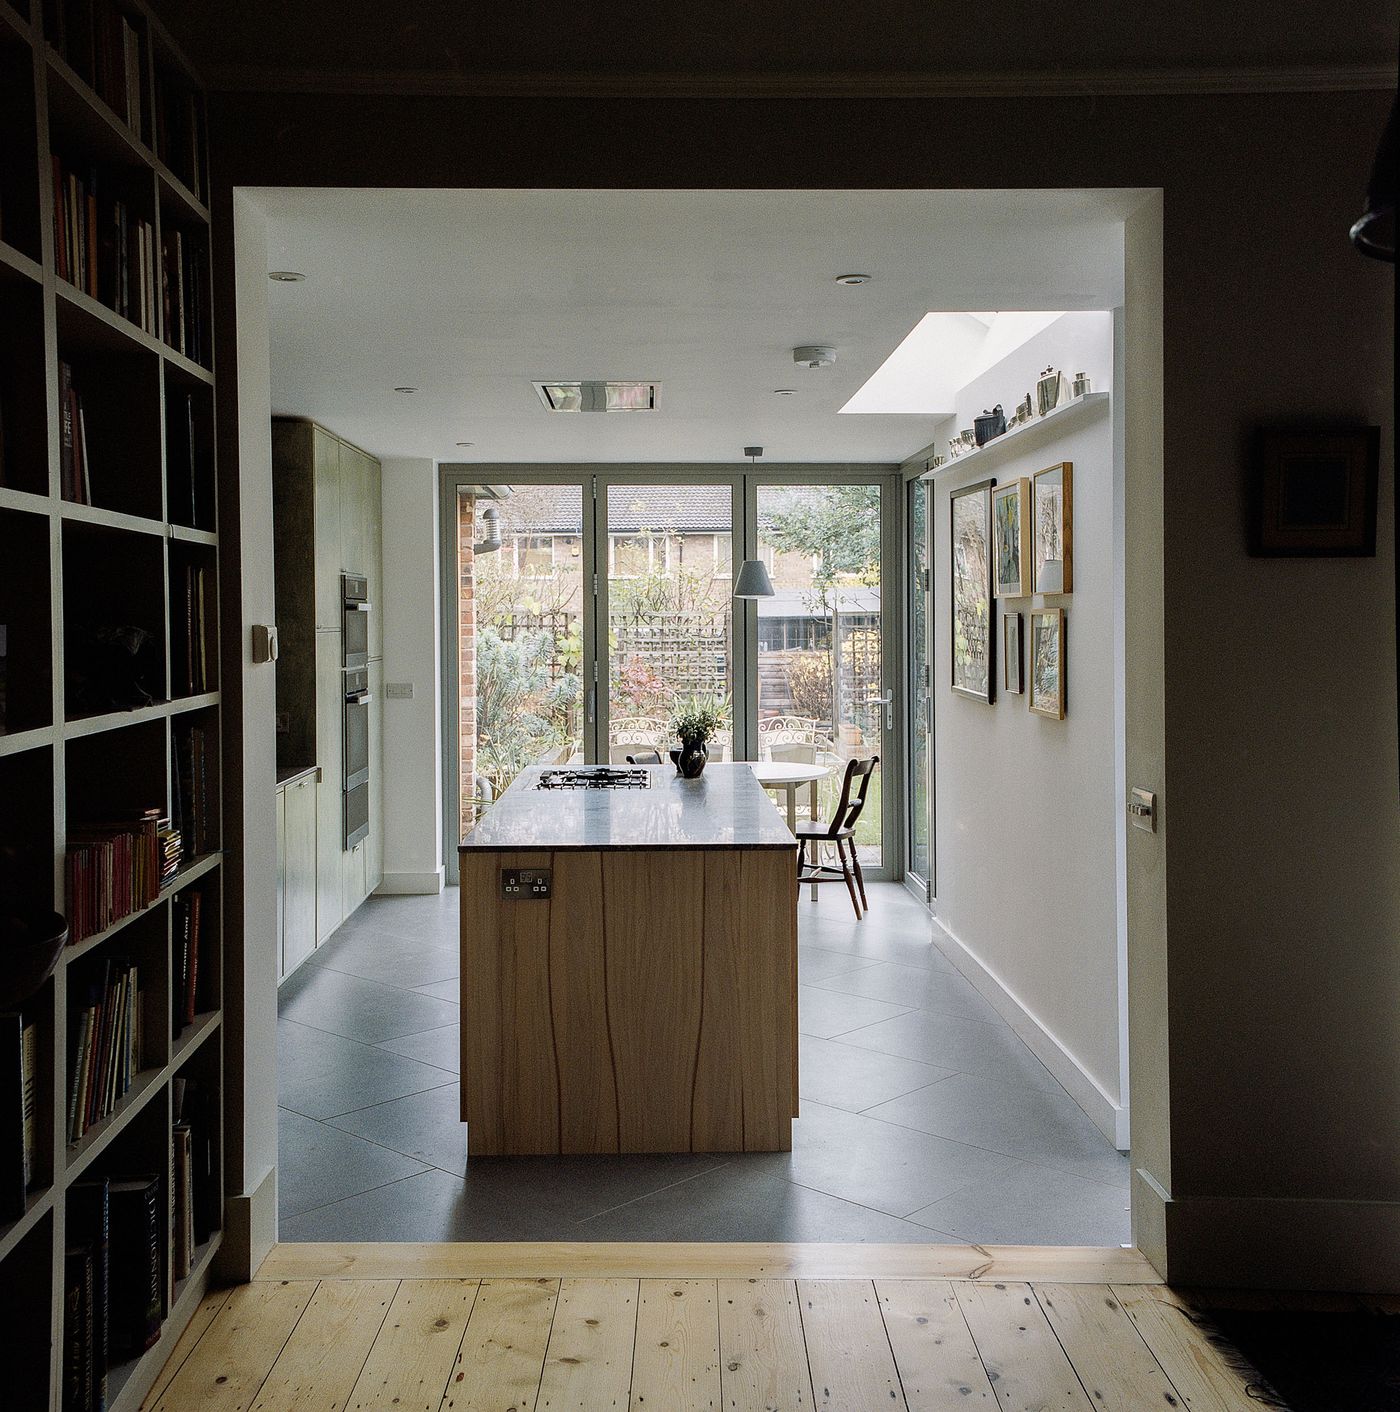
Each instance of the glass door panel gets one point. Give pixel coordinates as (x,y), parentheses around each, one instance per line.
(819,691)
(520,623)
(670,628)
(920,864)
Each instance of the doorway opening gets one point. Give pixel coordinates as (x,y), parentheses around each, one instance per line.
(600,592)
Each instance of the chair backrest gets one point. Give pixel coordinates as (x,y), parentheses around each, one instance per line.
(645,757)
(794,753)
(848,810)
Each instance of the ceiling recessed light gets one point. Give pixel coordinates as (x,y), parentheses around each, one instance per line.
(784,392)
(852,279)
(405,389)
(286,276)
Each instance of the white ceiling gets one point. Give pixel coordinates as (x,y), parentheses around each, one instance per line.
(470,296)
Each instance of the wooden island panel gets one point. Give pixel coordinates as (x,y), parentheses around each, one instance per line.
(649,1005)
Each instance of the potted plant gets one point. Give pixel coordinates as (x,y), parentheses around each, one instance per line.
(695,718)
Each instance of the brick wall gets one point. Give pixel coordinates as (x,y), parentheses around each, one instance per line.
(466,657)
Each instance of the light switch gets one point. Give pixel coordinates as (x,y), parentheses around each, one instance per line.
(399,690)
(1142,810)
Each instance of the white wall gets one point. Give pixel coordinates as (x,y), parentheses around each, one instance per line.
(1027,863)
(252,1017)
(412,655)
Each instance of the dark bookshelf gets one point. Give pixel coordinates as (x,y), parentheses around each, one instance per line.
(19,179)
(114,632)
(84,554)
(24,451)
(26,647)
(109,427)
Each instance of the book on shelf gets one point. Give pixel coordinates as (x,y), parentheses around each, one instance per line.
(104,48)
(182,462)
(113,869)
(101,246)
(181,1201)
(89,1224)
(75,481)
(107,1023)
(179,117)
(188,942)
(19,1057)
(184,282)
(189,651)
(193,763)
(136,1282)
(80,1386)
(196,1113)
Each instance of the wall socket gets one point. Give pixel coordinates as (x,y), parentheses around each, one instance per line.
(399,690)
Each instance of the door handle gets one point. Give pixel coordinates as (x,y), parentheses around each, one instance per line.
(590,708)
(887,701)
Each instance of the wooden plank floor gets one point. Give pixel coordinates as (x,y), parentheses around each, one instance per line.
(417,1336)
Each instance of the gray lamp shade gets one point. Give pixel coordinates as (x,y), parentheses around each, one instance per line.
(753,580)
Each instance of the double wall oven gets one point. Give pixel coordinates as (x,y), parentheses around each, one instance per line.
(355,721)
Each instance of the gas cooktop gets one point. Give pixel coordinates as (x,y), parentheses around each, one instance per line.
(594,777)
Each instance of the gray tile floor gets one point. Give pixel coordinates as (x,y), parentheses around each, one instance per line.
(924,1118)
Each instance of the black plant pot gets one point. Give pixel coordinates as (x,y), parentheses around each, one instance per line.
(691,760)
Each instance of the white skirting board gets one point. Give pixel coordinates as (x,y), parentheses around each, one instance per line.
(1268,1242)
(1110,1117)
(405,884)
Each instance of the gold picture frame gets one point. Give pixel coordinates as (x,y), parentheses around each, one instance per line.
(971,606)
(1047,654)
(1013,659)
(1052,505)
(1011,539)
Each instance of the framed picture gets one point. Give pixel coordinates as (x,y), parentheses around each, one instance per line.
(1013,671)
(1052,505)
(1048,662)
(1313,492)
(1011,539)
(971,599)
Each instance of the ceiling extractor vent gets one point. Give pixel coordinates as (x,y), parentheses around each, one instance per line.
(599,396)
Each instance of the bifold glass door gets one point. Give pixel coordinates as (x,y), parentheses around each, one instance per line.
(579,609)
(668,611)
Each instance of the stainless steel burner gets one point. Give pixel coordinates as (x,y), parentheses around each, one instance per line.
(594,777)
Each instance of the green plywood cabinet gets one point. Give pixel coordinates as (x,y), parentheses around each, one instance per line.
(297,815)
(328,474)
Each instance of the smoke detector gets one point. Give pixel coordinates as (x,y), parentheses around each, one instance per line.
(814,355)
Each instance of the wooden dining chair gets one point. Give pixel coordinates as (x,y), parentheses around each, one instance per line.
(841,831)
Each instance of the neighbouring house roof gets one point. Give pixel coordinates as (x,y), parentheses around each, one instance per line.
(682,509)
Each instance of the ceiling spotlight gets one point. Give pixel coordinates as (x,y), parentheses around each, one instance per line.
(852,279)
(784,392)
(405,389)
(286,276)
(814,355)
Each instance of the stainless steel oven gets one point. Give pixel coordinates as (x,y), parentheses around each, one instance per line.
(355,755)
(354,593)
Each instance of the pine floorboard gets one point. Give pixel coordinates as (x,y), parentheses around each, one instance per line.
(634,1337)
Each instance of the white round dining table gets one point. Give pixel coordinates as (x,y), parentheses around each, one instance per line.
(789,776)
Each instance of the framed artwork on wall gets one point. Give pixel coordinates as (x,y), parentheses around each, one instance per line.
(1048,662)
(974,646)
(1052,505)
(1011,539)
(1313,492)
(1013,671)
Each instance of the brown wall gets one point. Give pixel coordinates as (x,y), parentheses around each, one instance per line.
(1277,1002)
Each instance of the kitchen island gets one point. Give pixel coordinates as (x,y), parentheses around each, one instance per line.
(629,965)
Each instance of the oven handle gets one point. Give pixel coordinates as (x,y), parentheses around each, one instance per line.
(358,698)
(358,607)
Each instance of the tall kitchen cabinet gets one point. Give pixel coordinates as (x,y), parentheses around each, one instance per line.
(327,522)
